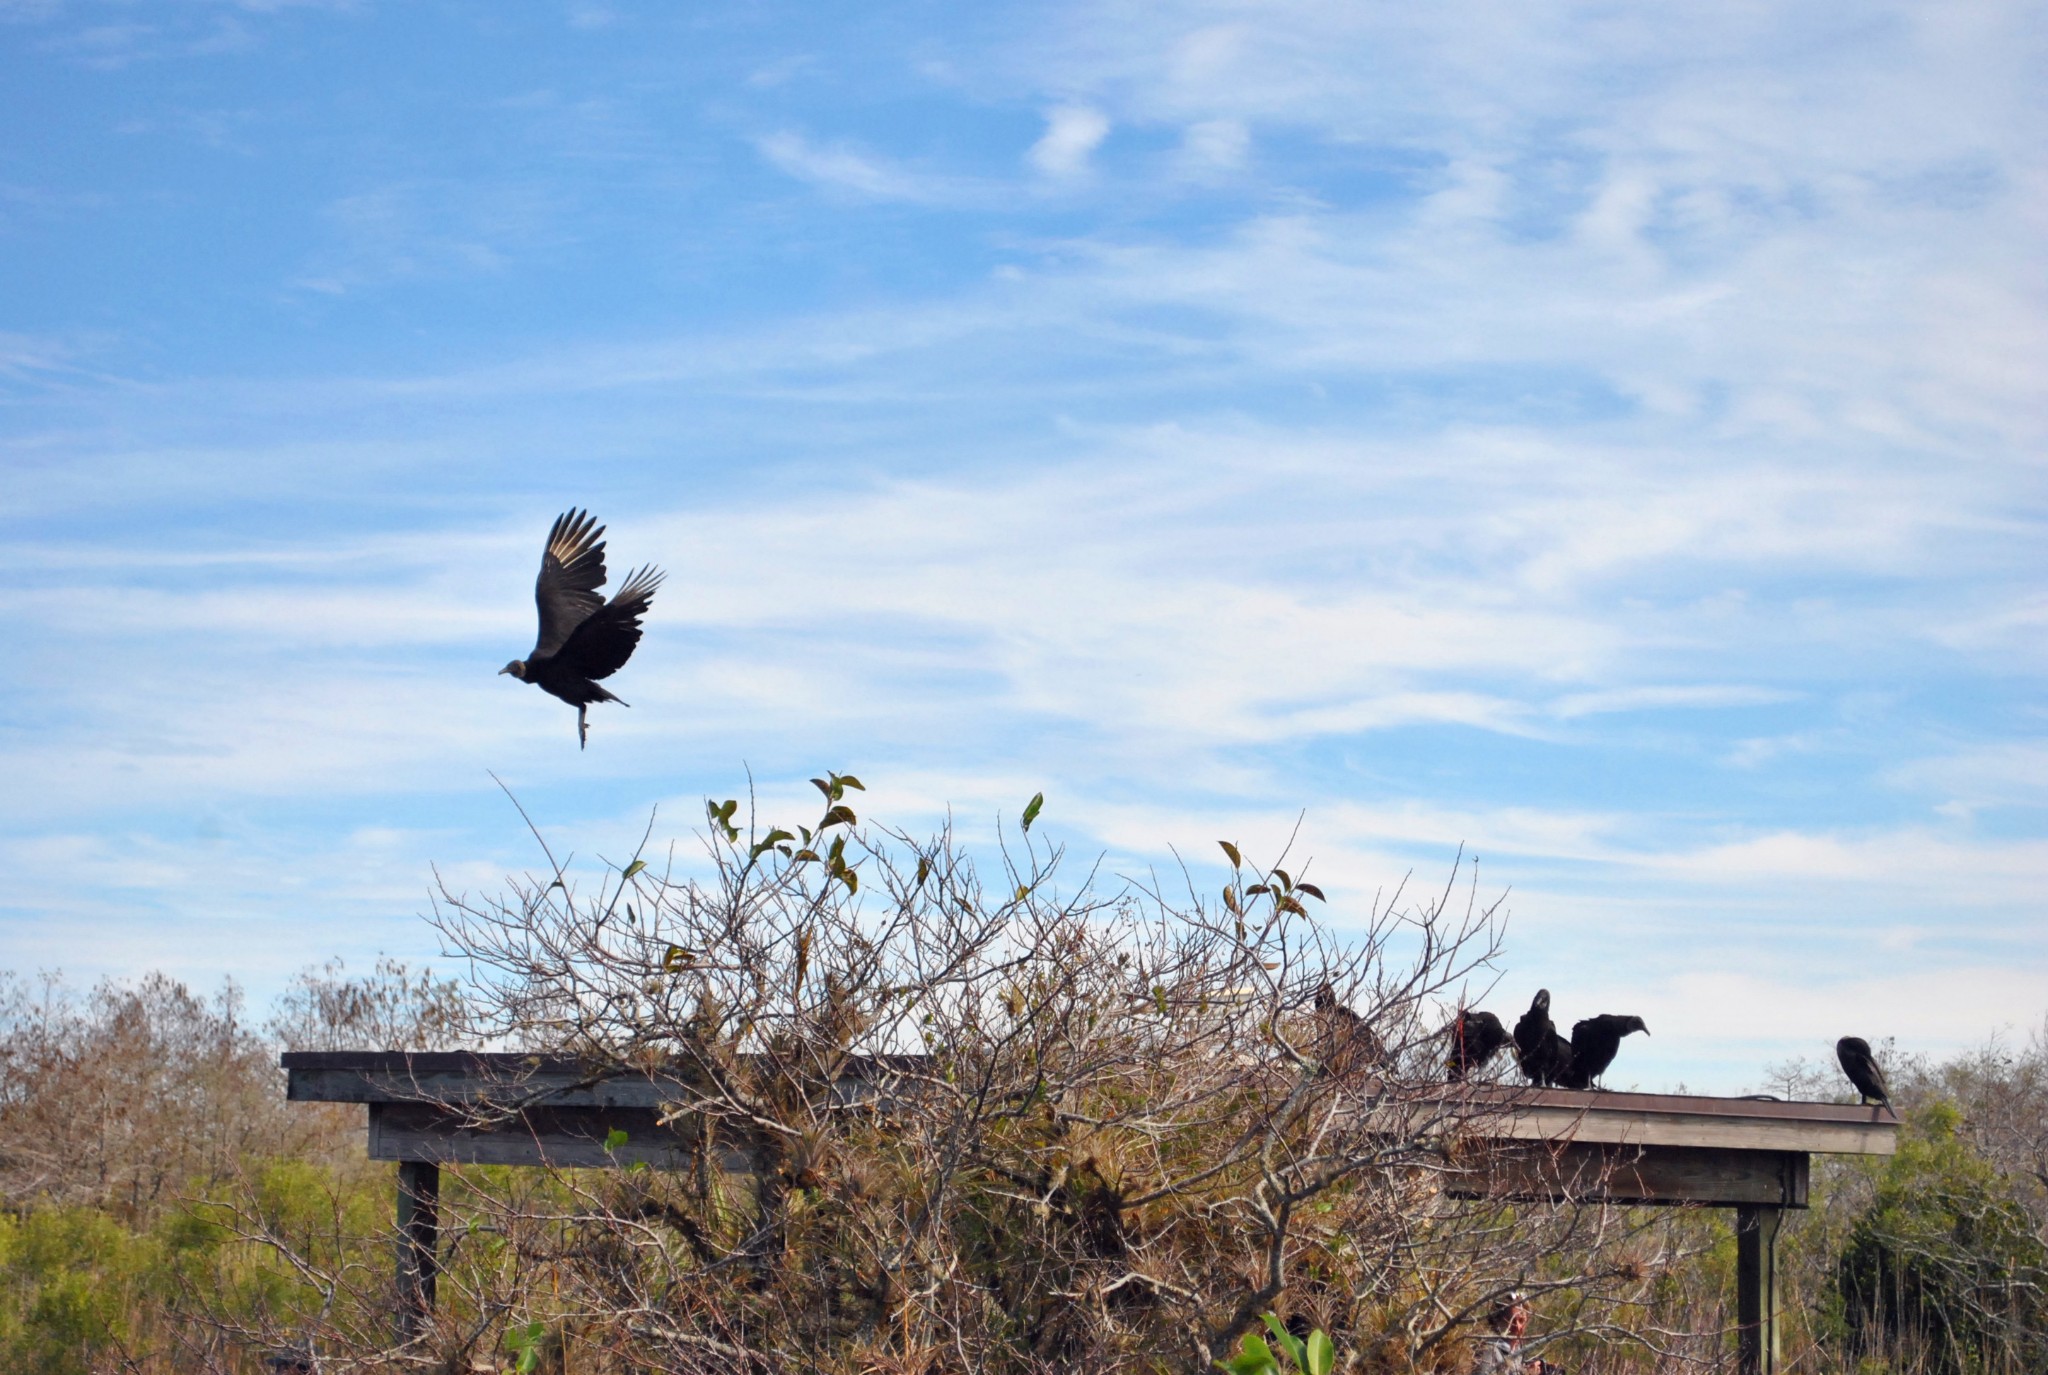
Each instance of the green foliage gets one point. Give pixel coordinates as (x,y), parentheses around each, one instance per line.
(72,1283)
(1943,1261)
(526,1341)
(1255,1356)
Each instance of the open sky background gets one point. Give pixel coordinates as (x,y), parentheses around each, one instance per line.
(1610,437)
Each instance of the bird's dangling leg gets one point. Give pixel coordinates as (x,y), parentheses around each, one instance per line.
(582,727)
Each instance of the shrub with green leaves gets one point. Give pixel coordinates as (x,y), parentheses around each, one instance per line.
(1944,1264)
(1315,1355)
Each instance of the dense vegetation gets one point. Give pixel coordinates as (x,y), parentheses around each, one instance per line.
(166,1210)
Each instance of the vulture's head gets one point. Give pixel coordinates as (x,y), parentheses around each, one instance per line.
(517,668)
(1630,1025)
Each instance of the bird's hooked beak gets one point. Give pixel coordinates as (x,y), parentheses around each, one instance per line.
(517,668)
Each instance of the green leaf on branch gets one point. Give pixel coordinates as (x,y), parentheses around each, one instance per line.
(526,1340)
(1230,851)
(769,842)
(1322,1354)
(675,959)
(838,816)
(834,785)
(1289,1343)
(614,1139)
(635,867)
(1032,808)
(1253,1357)
(1311,890)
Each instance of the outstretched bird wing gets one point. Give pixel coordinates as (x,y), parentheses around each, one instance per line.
(606,638)
(571,571)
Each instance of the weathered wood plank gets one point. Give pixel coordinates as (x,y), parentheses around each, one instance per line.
(561,1137)
(1507,1112)
(1756,1290)
(510,1080)
(1621,1124)
(419,1245)
(555,1089)
(1646,1175)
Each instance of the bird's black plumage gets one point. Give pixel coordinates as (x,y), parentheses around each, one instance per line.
(1544,1054)
(1595,1043)
(1346,1042)
(1476,1037)
(582,637)
(1863,1070)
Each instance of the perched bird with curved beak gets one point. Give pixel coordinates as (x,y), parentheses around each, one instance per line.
(582,637)
(1546,1056)
(1595,1043)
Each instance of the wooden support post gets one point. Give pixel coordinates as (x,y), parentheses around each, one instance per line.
(419,1260)
(1756,1288)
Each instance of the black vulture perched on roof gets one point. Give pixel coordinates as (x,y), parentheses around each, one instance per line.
(1476,1037)
(1346,1042)
(1863,1071)
(1595,1043)
(1545,1055)
(582,637)
(1565,1070)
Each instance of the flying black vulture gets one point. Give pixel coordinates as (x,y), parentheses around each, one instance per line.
(1595,1043)
(582,637)
(1544,1054)
(1476,1037)
(1863,1071)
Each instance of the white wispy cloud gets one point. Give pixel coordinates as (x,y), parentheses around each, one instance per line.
(1072,134)
(1604,439)
(845,168)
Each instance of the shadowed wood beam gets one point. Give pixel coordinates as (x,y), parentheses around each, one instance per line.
(1593,1172)
(1756,1289)
(562,1138)
(419,1245)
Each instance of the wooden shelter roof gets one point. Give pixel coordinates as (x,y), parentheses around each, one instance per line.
(510,1079)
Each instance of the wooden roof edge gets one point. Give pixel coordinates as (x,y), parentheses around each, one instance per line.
(499,1064)
(1753,1107)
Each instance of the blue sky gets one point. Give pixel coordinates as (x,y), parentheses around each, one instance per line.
(1607,437)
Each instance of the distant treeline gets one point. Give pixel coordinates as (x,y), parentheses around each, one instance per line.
(151,1168)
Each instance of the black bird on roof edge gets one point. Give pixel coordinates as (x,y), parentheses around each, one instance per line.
(1853,1053)
(582,637)
(1545,1055)
(1476,1037)
(1595,1043)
